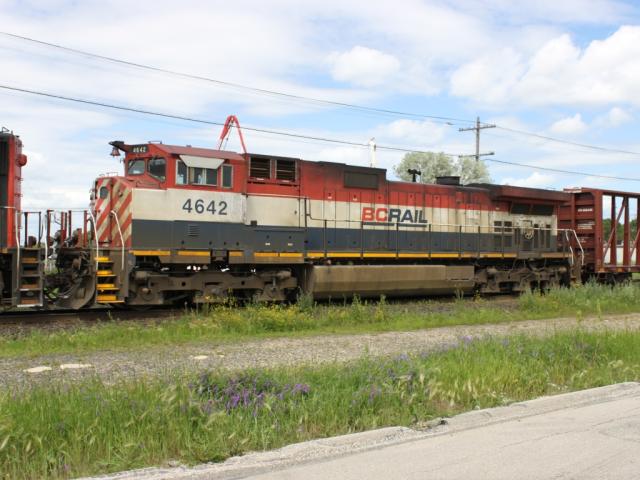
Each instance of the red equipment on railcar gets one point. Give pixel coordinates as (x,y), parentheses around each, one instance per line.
(11,162)
(20,266)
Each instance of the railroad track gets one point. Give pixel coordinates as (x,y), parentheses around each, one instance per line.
(18,323)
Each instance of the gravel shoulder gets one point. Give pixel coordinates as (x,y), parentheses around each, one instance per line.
(170,360)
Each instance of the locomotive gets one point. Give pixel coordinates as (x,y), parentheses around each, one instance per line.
(199,225)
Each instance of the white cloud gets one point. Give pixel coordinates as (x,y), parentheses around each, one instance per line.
(566,11)
(613,118)
(411,132)
(363,66)
(569,126)
(535,180)
(559,73)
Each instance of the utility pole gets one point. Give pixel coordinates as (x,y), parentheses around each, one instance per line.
(477,129)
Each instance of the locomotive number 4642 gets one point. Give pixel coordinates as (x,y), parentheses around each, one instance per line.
(198,206)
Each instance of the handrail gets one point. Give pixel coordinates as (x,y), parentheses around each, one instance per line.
(95,236)
(566,236)
(46,250)
(16,213)
(579,245)
(500,230)
(115,215)
(426,225)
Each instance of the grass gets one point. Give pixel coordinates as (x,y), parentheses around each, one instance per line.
(60,431)
(229,323)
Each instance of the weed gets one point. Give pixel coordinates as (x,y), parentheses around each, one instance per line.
(60,431)
(228,322)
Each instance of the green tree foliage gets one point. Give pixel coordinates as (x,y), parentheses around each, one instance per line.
(606,227)
(433,165)
(472,170)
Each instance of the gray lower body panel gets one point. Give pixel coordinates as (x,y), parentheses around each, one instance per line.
(149,234)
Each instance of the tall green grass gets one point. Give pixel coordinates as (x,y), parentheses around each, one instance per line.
(232,323)
(87,428)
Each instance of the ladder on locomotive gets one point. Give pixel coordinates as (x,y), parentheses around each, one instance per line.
(107,281)
(110,285)
(30,278)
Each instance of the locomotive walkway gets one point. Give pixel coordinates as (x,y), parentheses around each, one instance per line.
(170,360)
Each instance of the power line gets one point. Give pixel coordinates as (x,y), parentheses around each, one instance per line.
(361,108)
(290,134)
(559,170)
(235,85)
(568,142)
(172,116)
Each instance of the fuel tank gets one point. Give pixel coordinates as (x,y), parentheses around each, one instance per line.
(336,281)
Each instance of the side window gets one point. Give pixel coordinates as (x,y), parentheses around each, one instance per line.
(181,173)
(204,176)
(135,167)
(158,168)
(227,176)
(186,175)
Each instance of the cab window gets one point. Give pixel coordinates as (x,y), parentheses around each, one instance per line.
(227,176)
(157,167)
(181,173)
(136,167)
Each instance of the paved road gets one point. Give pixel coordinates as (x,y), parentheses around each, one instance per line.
(594,434)
(595,441)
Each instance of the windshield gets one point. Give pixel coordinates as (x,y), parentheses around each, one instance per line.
(136,167)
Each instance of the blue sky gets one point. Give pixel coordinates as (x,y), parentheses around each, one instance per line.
(566,69)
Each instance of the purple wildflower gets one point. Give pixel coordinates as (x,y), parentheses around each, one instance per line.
(301,388)
(402,358)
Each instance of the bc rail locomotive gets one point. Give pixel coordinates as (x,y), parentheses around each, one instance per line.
(197,225)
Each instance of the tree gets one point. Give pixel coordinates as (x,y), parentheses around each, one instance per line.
(433,165)
(606,227)
(472,170)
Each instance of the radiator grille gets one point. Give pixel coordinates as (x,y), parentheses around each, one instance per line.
(193,230)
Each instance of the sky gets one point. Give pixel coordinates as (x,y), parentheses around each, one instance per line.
(568,70)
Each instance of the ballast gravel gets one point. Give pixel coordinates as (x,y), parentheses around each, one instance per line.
(111,366)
